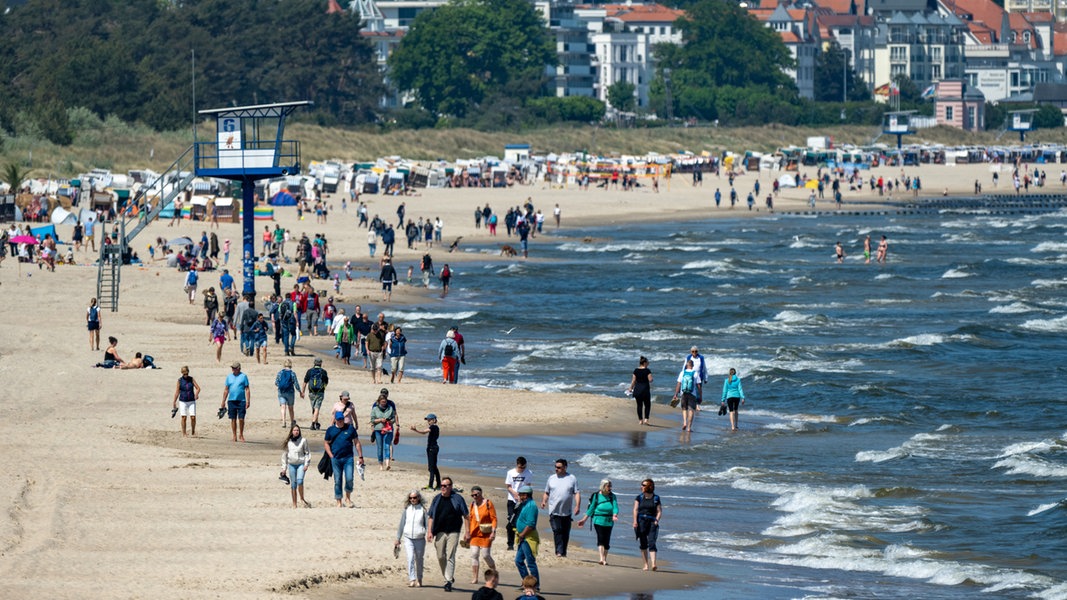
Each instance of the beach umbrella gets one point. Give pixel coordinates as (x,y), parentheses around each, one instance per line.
(23,239)
(180,242)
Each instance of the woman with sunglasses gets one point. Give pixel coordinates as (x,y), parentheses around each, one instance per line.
(412,532)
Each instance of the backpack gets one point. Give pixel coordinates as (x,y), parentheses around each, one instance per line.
(148,361)
(315,380)
(285,313)
(285,381)
(450,348)
(687,382)
(446,272)
(94,313)
(191,278)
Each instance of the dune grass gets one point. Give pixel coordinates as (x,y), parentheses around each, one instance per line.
(120,147)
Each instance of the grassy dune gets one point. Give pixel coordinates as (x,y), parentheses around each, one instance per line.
(121,147)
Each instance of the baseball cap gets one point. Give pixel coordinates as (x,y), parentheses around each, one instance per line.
(235,365)
(384,391)
(431,416)
(318,361)
(526,489)
(344,394)
(339,415)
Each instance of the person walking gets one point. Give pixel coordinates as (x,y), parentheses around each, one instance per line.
(398,352)
(375,350)
(604,510)
(526,538)
(432,433)
(236,400)
(448,354)
(286,383)
(562,499)
(647,512)
(732,396)
(481,531)
(641,390)
(92,321)
(218,336)
(345,336)
(388,279)
(513,480)
(341,443)
(688,386)
(315,381)
(447,523)
(383,418)
(412,533)
(186,394)
(296,458)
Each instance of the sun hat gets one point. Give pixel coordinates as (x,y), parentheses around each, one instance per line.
(526,489)
(235,365)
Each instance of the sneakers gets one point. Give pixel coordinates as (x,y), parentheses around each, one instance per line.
(448,586)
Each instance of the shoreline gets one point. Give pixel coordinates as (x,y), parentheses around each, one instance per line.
(204,517)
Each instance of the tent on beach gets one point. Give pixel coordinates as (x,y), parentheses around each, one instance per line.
(62,216)
(283,198)
(787,181)
(43,230)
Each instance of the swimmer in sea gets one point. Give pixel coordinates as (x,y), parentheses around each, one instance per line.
(867,250)
(839,251)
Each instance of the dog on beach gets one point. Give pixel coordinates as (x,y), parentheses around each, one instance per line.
(507,250)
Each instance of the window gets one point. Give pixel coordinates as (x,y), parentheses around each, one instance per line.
(970,124)
(935,72)
(1026,37)
(948,114)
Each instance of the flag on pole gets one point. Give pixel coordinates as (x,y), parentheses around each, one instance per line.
(929,92)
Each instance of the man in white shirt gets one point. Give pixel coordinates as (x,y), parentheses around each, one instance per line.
(515,479)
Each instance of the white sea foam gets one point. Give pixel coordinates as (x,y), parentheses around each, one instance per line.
(1050,247)
(1057,325)
(923,339)
(1025,464)
(1046,283)
(1044,508)
(920,444)
(956,274)
(884,276)
(1011,309)
(399,316)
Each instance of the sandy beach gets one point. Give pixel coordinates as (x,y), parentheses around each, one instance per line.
(105,499)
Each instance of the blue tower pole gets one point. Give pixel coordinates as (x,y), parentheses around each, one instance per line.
(248,230)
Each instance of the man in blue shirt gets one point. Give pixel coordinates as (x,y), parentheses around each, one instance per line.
(340,441)
(236,399)
(226,281)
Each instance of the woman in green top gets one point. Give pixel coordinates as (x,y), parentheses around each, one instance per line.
(383,417)
(604,509)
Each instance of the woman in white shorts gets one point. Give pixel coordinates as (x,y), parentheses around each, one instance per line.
(185,395)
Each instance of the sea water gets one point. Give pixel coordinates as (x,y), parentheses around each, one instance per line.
(904,429)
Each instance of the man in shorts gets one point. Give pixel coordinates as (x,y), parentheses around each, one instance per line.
(315,382)
(286,383)
(236,399)
(375,347)
(688,386)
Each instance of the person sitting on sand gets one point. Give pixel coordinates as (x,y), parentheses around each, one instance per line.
(136,363)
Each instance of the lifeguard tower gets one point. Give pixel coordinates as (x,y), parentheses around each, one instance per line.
(898,123)
(1021,121)
(249,147)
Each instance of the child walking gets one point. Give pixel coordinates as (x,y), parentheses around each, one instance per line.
(432,449)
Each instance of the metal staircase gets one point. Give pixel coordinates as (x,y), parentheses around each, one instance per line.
(165,188)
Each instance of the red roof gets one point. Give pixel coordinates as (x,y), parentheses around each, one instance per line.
(1059,34)
(840,7)
(1019,25)
(981,11)
(788,37)
(982,33)
(643,13)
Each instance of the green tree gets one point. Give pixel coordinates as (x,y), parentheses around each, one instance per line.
(14,175)
(621,96)
(711,61)
(456,55)
(1048,116)
(832,71)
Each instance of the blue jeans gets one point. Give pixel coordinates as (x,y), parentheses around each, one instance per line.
(343,466)
(525,561)
(385,445)
(288,339)
(296,475)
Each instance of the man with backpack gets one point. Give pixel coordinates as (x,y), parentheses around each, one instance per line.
(286,381)
(689,387)
(248,320)
(427,269)
(287,325)
(191,279)
(315,381)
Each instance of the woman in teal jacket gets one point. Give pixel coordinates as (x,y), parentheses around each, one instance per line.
(604,510)
(732,396)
